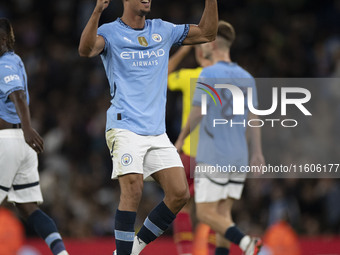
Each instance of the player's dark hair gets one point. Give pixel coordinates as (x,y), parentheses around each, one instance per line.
(227,32)
(6,32)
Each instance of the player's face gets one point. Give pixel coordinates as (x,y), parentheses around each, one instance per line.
(141,7)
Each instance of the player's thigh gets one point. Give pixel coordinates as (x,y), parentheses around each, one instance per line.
(236,185)
(208,189)
(161,155)
(127,151)
(163,163)
(10,158)
(26,183)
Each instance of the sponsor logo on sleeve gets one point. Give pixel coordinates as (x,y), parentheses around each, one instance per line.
(12,77)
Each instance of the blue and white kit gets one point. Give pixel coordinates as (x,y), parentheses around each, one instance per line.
(136,65)
(19,179)
(222,145)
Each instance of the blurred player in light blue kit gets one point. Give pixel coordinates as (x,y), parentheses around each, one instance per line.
(20,143)
(222,145)
(135,54)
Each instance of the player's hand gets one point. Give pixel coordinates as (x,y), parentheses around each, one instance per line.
(179,144)
(102,5)
(257,159)
(33,139)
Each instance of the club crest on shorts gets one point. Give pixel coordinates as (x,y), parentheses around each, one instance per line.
(126,159)
(142,41)
(157,37)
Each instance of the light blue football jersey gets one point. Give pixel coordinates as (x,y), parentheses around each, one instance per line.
(223,145)
(136,65)
(12,78)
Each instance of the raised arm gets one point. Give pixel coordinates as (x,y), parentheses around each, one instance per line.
(206,30)
(91,44)
(177,57)
(32,137)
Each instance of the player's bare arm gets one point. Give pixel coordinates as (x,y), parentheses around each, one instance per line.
(193,120)
(32,138)
(206,30)
(256,156)
(91,44)
(177,57)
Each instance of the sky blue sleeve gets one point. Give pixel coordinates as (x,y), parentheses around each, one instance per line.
(178,32)
(103,31)
(10,81)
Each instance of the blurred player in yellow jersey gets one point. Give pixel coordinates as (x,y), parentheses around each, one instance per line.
(180,81)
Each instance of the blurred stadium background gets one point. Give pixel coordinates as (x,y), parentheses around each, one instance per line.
(70,95)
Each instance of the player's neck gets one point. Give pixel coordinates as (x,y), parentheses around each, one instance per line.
(132,20)
(205,63)
(219,56)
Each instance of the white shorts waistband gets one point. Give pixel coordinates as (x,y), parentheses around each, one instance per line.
(11,133)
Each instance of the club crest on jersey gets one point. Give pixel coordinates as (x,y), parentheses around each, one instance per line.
(142,41)
(157,37)
(126,159)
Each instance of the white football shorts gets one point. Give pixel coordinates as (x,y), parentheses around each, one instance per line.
(19,178)
(212,189)
(133,153)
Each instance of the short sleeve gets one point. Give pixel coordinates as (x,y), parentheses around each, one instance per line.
(10,81)
(103,31)
(178,32)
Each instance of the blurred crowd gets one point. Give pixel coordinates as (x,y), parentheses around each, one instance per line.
(70,95)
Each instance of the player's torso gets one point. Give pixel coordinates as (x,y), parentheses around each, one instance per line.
(227,140)
(137,54)
(13,76)
(228,74)
(136,63)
